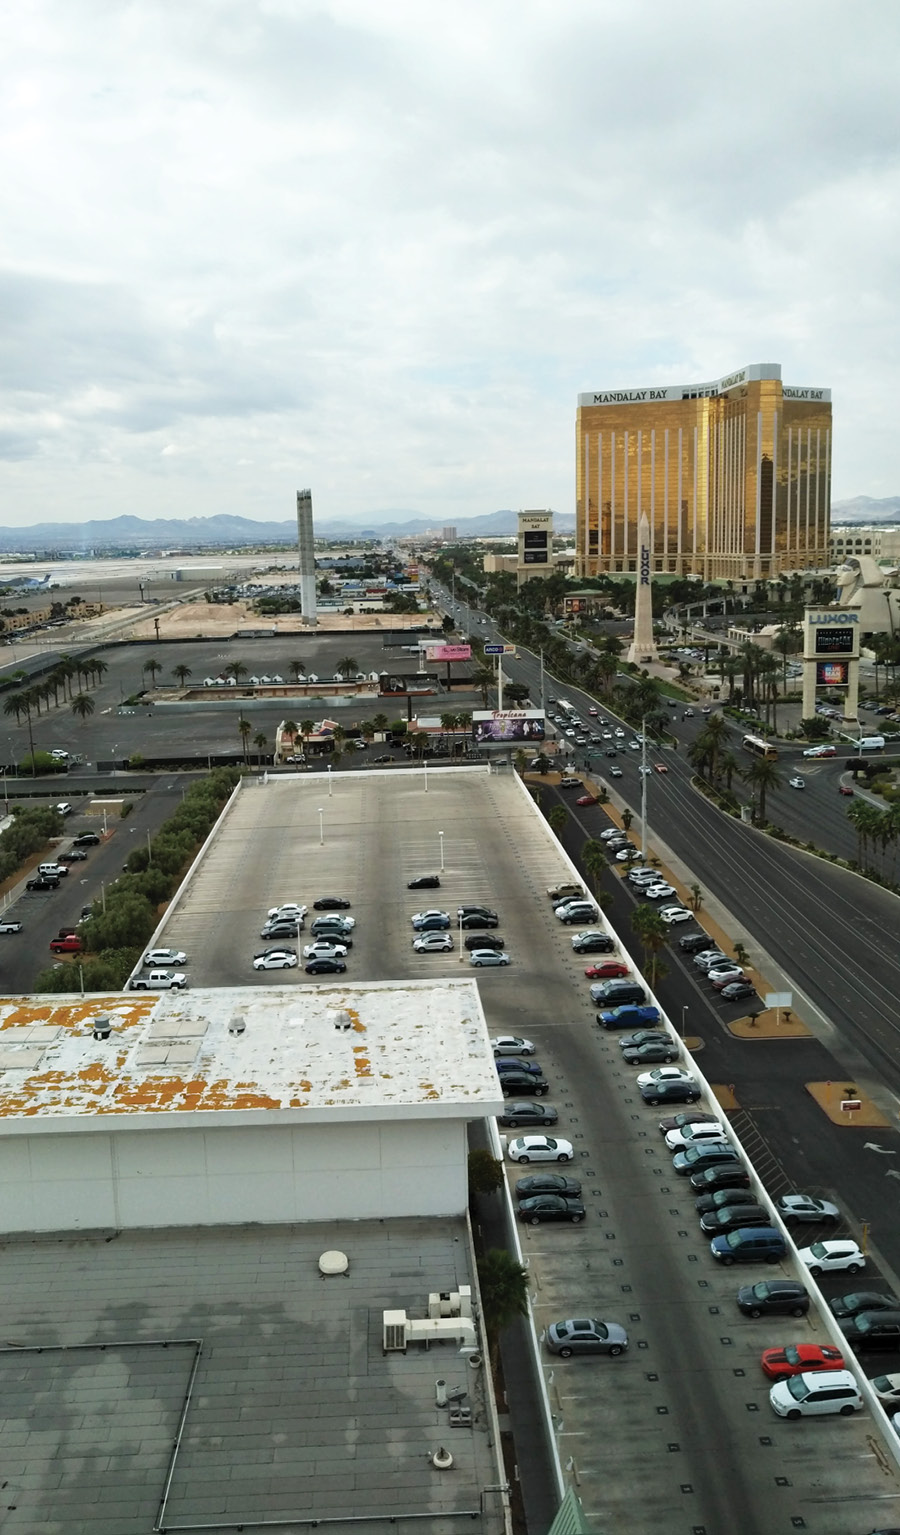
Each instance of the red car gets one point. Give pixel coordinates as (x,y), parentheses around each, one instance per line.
(71,944)
(845,788)
(587,799)
(660,767)
(606,969)
(799,1358)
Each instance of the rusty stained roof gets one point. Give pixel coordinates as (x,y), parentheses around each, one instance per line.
(413,1043)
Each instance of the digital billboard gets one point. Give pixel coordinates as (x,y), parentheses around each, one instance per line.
(837,640)
(832,674)
(508,725)
(449,653)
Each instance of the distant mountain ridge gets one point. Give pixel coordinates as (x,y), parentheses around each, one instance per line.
(224,531)
(866,509)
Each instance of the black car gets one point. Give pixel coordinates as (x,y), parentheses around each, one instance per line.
(730,1217)
(76,855)
(642,1037)
(524,1082)
(507,1063)
(524,1112)
(323,966)
(474,919)
(688,1117)
(773,1297)
(424,881)
(736,991)
(862,1300)
(43,882)
(652,1051)
(593,943)
(724,1198)
(331,903)
(550,1207)
(723,1176)
(611,752)
(695,943)
(873,1329)
(670,1092)
(87,839)
(475,911)
(547,1183)
(484,941)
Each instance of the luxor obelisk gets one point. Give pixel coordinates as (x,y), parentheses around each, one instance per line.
(643,646)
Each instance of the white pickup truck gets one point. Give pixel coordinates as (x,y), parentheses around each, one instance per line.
(159,980)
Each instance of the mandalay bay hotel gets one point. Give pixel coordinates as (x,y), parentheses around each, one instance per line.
(734,476)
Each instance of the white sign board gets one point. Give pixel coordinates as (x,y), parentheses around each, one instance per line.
(779,999)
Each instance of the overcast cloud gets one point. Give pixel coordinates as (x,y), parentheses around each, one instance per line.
(378,247)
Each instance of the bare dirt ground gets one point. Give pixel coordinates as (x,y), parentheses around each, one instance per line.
(205,620)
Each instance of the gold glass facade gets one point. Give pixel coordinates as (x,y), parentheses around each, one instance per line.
(734,476)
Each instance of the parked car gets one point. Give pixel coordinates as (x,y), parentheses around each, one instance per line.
(87,839)
(678,1091)
(830,1257)
(519,1082)
(484,941)
(10,925)
(695,943)
(628,1013)
(812,1394)
(547,1183)
(606,969)
(323,966)
(586,1335)
(723,1199)
(74,855)
(511,1044)
(322,949)
(695,1135)
(428,921)
(847,1306)
(773,1297)
(577,911)
(661,1049)
(523,1111)
(749,1244)
(664,1074)
(709,959)
(723,1175)
(550,1207)
(640,1037)
(422,881)
(539,1148)
(731,1217)
(800,1359)
(479,957)
(672,914)
(724,975)
(587,799)
(333,924)
(331,903)
(43,882)
(593,942)
(694,1157)
(803,1209)
(510,1063)
(71,944)
(165,957)
(276,959)
(687,1117)
(433,943)
(474,919)
(737,991)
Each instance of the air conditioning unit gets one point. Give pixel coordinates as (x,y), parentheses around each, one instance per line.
(393,1325)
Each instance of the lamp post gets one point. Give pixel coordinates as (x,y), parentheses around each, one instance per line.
(684,1011)
(643,788)
(103,895)
(461,955)
(321,826)
(441,839)
(329,780)
(425,766)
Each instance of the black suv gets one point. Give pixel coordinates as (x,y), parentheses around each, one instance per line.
(484,941)
(479,919)
(43,882)
(87,839)
(773,1297)
(730,1217)
(695,943)
(593,943)
(723,1176)
(519,1082)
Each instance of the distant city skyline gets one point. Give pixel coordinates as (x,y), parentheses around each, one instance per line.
(392,281)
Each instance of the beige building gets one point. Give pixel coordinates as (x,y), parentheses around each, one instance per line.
(882,543)
(733,475)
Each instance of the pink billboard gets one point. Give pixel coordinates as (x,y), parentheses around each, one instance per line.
(449,653)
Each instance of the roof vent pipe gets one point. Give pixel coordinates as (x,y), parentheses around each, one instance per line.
(102,1026)
(237,1024)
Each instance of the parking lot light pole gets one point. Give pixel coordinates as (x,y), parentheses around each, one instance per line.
(461,955)
(643,788)
(329,780)
(441,839)
(321,826)
(684,1012)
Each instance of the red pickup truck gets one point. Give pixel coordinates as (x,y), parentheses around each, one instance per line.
(71,944)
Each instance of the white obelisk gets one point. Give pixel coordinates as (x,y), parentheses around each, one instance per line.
(643,646)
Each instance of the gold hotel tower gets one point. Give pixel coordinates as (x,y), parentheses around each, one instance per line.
(734,476)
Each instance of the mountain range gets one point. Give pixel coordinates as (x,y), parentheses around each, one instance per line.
(866,509)
(223,531)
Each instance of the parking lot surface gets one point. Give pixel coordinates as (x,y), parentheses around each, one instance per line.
(677,1433)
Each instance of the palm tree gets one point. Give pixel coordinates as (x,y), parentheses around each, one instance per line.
(347,667)
(593,856)
(181,674)
(236,669)
(339,736)
(464,722)
(20,704)
(306,729)
(864,817)
(557,819)
(380,723)
(82,706)
(504,1295)
(98,669)
(367,730)
(729,765)
(260,741)
(762,775)
(298,670)
(653,934)
(627,818)
(482,680)
(154,667)
(244,729)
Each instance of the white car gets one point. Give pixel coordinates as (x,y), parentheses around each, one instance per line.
(420,917)
(888,1388)
(663,1074)
(539,1148)
(479,957)
(322,949)
(433,943)
(815,1393)
(165,957)
(511,1044)
(289,910)
(619,732)
(695,1135)
(276,959)
(658,892)
(797,783)
(611,831)
(829,1257)
(627,854)
(723,975)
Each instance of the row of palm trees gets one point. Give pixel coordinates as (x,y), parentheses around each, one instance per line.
(711,755)
(31,701)
(347,666)
(877,834)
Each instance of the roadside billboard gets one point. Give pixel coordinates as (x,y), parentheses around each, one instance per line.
(832,674)
(448,653)
(508,725)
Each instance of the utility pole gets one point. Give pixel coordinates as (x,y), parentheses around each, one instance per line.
(644,777)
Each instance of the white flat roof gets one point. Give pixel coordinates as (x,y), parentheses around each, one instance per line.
(411,1048)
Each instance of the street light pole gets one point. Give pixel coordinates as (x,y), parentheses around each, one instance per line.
(643,788)
(329,780)
(684,1012)
(441,839)
(321,827)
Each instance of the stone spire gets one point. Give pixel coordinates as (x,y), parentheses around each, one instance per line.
(643,647)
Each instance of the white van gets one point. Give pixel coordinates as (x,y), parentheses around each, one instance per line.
(871,743)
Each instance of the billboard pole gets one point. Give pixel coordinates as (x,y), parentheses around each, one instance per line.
(500,683)
(543,699)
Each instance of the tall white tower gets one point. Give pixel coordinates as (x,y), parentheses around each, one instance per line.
(643,647)
(307,559)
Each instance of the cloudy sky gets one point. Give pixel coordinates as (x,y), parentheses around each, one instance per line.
(378,247)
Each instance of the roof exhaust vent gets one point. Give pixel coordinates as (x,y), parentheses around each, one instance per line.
(237,1024)
(341,1019)
(102,1026)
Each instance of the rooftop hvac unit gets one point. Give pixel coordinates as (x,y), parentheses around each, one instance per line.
(400,1329)
(394,1331)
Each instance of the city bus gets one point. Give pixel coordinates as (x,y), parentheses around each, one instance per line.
(759,747)
(567,708)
